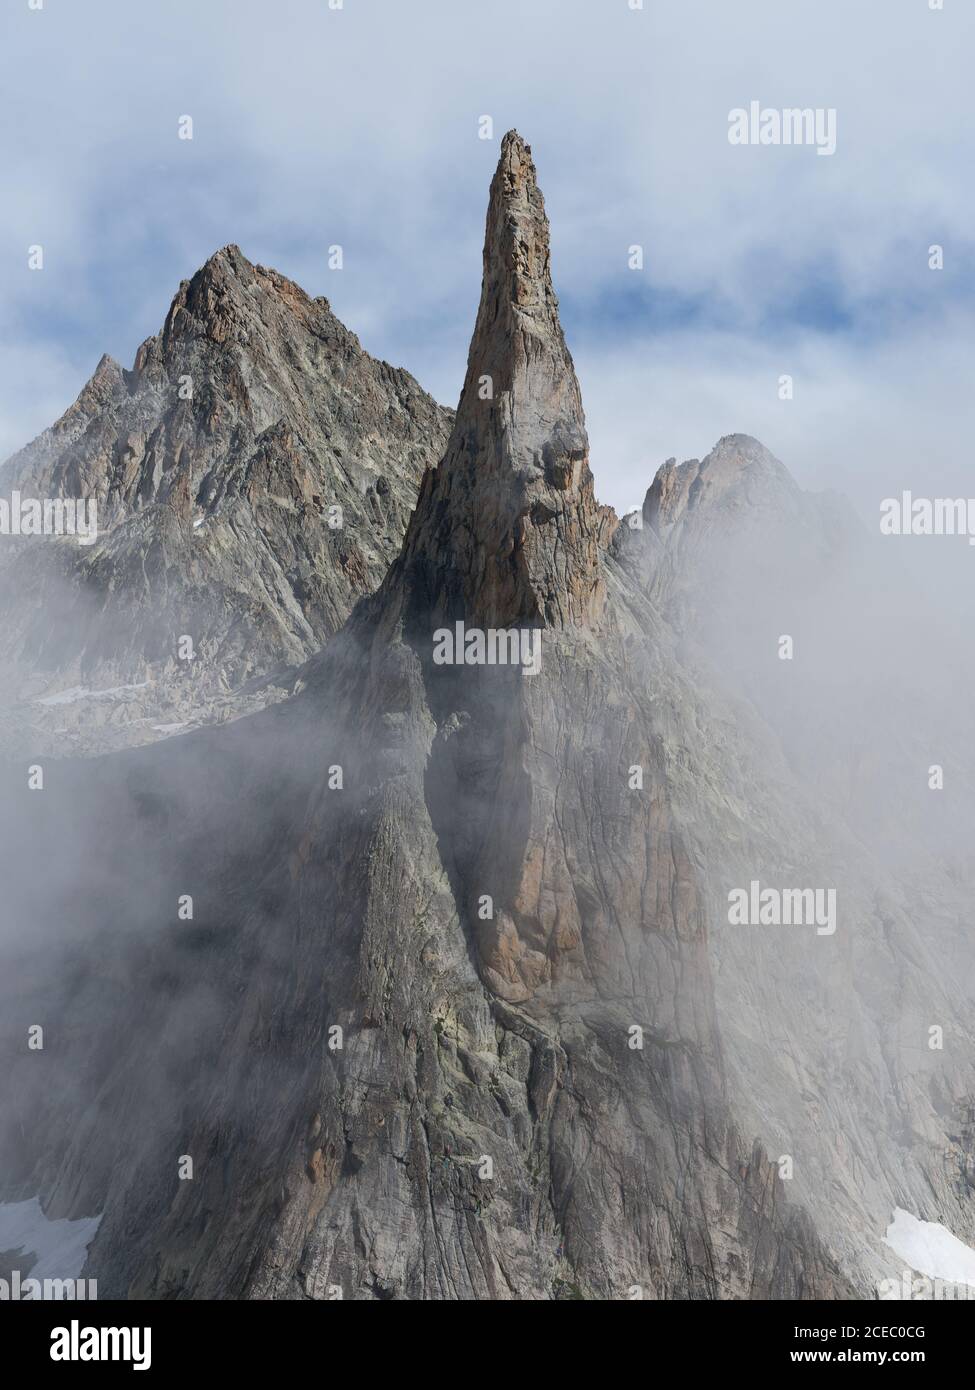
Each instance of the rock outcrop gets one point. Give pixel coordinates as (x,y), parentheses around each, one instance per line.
(507,529)
(253,475)
(458,1013)
(821,672)
(528,1100)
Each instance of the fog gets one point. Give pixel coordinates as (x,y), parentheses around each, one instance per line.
(185,923)
(814,771)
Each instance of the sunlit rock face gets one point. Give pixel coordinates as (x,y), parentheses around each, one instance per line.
(252,477)
(459,1011)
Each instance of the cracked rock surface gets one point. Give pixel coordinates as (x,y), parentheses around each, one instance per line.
(458,1014)
(253,475)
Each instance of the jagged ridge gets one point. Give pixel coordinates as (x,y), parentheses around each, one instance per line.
(217,463)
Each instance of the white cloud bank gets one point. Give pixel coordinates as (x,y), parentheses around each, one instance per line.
(359,126)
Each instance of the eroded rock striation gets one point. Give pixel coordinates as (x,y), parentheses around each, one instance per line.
(458,1014)
(253,475)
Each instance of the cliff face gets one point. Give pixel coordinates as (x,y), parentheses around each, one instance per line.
(507,530)
(253,475)
(459,1012)
(497,908)
(547,914)
(821,673)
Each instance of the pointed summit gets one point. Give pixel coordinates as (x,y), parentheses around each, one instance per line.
(518,337)
(506,530)
(254,452)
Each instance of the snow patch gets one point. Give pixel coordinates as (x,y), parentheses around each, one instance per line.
(169,728)
(930,1248)
(61,1246)
(79,692)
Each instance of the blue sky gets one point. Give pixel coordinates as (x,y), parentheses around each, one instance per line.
(358,126)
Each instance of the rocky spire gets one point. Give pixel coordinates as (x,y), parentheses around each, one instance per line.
(506,530)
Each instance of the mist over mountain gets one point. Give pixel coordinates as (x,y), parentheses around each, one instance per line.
(253,474)
(424,982)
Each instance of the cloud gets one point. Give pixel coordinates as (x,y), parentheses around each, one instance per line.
(865,420)
(358,126)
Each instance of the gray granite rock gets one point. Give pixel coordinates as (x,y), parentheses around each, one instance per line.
(217,515)
(459,1014)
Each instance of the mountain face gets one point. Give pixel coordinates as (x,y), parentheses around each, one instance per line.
(738,558)
(253,475)
(459,1011)
(507,530)
(827,674)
